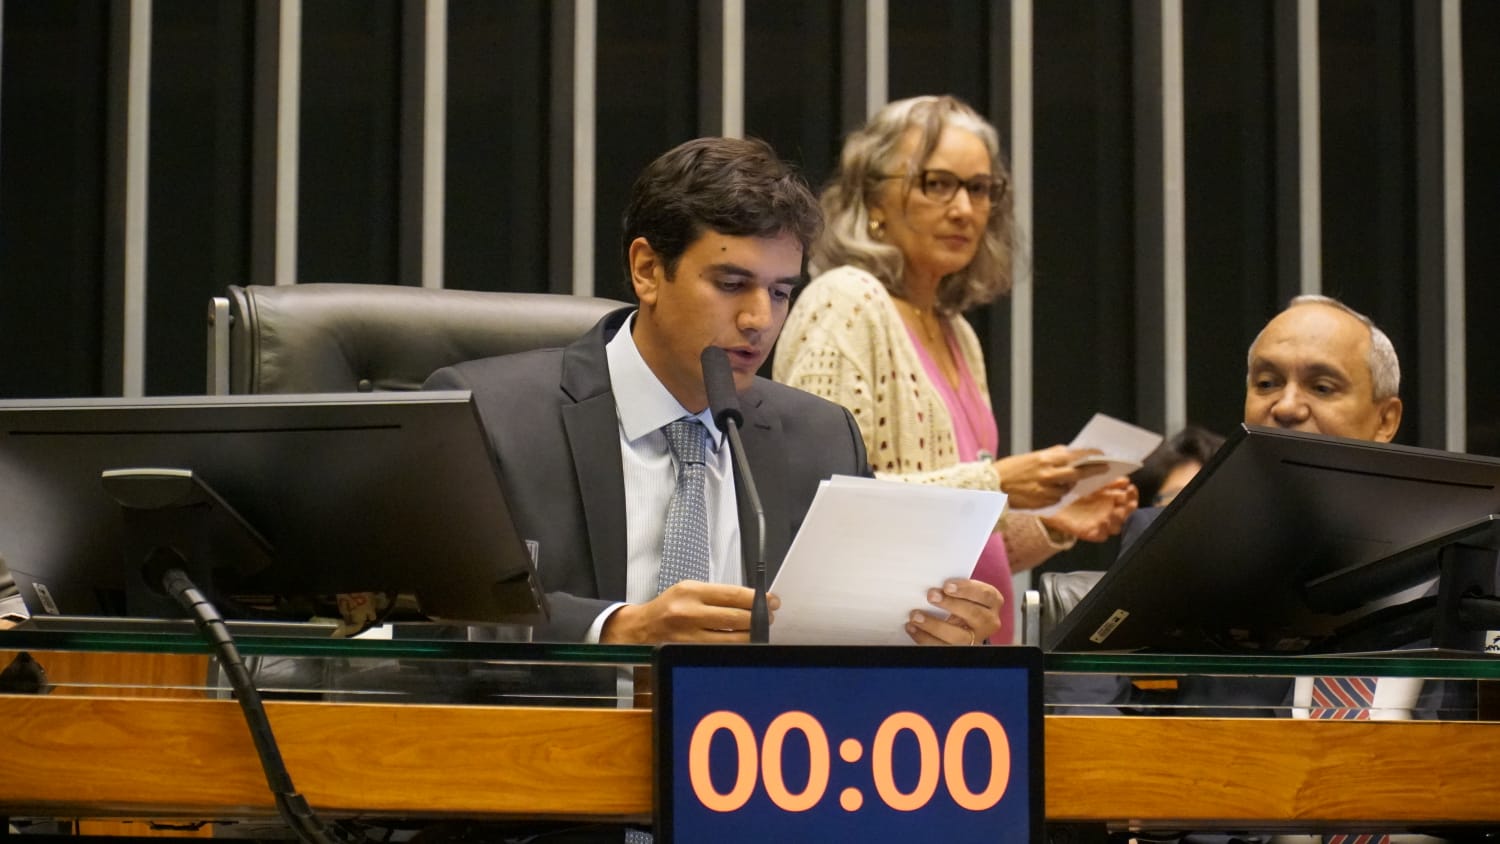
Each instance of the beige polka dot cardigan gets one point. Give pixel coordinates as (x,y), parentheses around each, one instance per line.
(845,341)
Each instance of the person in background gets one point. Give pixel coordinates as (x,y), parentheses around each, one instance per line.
(1322,367)
(1161,477)
(1319,367)
(918,229)
(12,607)
(1168,469)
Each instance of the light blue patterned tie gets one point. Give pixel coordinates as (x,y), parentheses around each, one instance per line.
(684,551)
(684,547)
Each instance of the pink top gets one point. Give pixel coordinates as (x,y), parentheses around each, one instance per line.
(977,438)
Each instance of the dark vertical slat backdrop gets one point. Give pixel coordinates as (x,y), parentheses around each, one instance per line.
(1083,229)
(496,189)
(1230,120)
(508,181)
(348,177)
(647,103)
(1369,175)
(52,157)
(198,201)
(1481,55)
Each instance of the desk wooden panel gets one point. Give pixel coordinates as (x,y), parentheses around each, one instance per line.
(194,757)
(104,674)
(1271,769)
(147,757)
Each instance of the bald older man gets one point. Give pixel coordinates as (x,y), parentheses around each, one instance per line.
(1322,367)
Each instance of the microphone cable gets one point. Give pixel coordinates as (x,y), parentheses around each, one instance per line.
(292,807)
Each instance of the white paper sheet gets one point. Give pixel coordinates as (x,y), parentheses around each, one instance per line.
(1123,447)
(868,552)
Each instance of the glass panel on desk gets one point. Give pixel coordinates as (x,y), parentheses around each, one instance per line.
(454,665)
(425,664)
(1408,685)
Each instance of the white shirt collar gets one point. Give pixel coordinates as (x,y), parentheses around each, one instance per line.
(642,403)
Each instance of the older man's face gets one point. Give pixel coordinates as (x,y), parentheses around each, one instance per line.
(1309,371)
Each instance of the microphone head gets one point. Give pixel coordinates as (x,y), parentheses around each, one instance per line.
(718,381)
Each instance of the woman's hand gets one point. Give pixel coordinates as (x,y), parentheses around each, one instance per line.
(1098,515)
(1041,478)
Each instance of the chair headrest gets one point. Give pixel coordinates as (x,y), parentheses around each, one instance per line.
(331,338)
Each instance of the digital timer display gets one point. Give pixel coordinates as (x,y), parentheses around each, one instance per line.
(871,752)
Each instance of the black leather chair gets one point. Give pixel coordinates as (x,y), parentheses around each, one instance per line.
(338,338)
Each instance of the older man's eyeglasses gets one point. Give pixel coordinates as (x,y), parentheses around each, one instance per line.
(943,185)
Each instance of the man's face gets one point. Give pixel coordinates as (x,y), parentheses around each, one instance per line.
(1310,371)
(727,291)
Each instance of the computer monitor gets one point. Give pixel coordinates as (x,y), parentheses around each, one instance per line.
(318,495)
(1285,543)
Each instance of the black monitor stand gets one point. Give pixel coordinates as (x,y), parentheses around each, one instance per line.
(174,520)
(1454,616)
(176,527)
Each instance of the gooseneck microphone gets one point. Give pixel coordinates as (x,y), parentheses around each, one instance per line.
(718,380)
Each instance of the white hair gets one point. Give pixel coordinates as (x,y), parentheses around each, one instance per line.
(1385,367)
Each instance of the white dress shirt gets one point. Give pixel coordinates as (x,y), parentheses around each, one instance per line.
(643,406)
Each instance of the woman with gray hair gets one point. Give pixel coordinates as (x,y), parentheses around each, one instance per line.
(918,229)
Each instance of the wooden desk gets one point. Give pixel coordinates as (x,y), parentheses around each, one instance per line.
(103,674)
(100,756)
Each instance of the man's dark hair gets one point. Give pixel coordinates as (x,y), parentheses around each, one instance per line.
(736,187)
(1192,444)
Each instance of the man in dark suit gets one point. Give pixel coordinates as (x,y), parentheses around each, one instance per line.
(715,242)
(1320,367)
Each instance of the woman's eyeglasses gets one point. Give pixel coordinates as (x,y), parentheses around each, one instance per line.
(943,185)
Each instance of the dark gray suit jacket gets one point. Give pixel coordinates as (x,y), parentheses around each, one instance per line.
(552,422)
